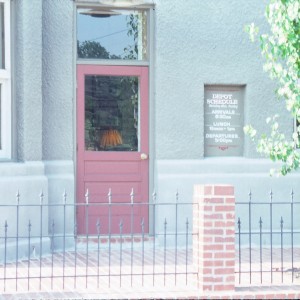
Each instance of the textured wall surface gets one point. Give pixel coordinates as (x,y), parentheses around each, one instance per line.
(198,43)
(28,78)
(43,83)
(58,77)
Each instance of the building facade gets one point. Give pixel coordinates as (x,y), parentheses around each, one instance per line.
(129,96)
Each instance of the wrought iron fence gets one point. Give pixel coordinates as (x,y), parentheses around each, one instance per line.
(43,245)
(268,241)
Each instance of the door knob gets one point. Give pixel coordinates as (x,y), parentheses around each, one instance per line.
(144,156)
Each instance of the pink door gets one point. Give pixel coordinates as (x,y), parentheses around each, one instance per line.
(112,136)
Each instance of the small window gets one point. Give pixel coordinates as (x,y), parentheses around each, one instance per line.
(5,81)
(106,33)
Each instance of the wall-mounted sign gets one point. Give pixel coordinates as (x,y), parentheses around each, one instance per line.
(224,120)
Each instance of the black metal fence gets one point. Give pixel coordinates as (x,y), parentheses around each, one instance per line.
(268,241)
(43,244)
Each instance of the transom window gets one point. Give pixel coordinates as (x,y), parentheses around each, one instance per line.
(109,33)
(5,81)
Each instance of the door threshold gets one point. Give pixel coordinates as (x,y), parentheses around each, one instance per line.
(115,239)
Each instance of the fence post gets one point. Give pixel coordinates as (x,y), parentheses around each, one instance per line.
(214,237)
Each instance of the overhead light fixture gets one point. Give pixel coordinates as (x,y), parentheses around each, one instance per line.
(125,3)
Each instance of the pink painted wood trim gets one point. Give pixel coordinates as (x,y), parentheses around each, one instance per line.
(85,159)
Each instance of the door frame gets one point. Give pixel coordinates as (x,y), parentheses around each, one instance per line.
(143,73)
(150,7)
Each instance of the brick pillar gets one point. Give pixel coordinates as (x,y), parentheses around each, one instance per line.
(214,238)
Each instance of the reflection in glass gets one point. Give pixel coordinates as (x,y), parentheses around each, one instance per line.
(104,33)
(2,37)
(111,113)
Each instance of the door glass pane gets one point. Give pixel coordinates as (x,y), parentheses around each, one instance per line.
(111,113)
(2,44)
(111,34)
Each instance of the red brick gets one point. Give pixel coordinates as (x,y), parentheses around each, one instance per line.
(216,200)
(207,288)
(224,255)
(229,287)
(224,190)
(230,263)
(230,247)
(211,263)
(225,208)
(213,216)
(280,296)
(260,296)
(213,231)
(220,224)
(230,278)
(208,208)
(205,201)
(224,240)
(230,200)
(252,296)
(207,255)
(222,271)
(208,224)
(212,279)
(207,271)
(208,189)
(230,216)
(291,296)
(207,239)
(230,232)
(213,247)
(237,296)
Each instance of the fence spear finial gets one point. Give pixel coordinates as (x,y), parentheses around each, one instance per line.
(41,197)
(65,197)
(87,196)
(98,226)
(18,197)
(132,196)
(271,195)
(154,197)
(109,195)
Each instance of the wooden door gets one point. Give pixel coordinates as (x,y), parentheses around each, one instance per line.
(112,154)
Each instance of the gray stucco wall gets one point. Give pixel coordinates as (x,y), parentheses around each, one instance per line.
(58,79)
(199,43)
(27,17)
(196,43)
(43,99)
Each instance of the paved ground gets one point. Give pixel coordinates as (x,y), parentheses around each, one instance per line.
(122,274)
(132,274)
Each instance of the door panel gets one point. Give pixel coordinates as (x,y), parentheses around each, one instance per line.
(112,133)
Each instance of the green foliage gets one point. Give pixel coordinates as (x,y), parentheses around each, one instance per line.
(131,52)
(281,50)
(91,49)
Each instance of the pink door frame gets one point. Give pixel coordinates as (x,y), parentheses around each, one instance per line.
(95,169)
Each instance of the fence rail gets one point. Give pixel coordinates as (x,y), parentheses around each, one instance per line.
(268,241)
(150,244)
